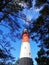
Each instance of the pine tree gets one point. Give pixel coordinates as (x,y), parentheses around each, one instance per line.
(42,28)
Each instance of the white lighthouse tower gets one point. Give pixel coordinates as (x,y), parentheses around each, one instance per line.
(25,54)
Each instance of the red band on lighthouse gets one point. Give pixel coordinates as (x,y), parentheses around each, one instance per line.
(25,37)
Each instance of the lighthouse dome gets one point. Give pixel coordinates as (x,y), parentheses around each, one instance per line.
(25,30)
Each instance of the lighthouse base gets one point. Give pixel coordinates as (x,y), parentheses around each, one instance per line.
(25,61)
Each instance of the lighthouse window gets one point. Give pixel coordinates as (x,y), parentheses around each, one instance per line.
(29,53)
(25,47)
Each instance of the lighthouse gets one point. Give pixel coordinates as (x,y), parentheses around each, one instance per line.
(25,53)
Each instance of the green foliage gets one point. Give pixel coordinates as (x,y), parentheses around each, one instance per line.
(41,53)
(42,61)
(41,2)
(45,11)
(41,27)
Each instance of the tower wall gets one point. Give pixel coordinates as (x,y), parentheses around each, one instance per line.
(25,50)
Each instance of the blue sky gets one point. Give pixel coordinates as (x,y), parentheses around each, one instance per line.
(31,14)
(17,45)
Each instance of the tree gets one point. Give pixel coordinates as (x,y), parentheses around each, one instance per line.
(40,27)
(43,58)
(5,49)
